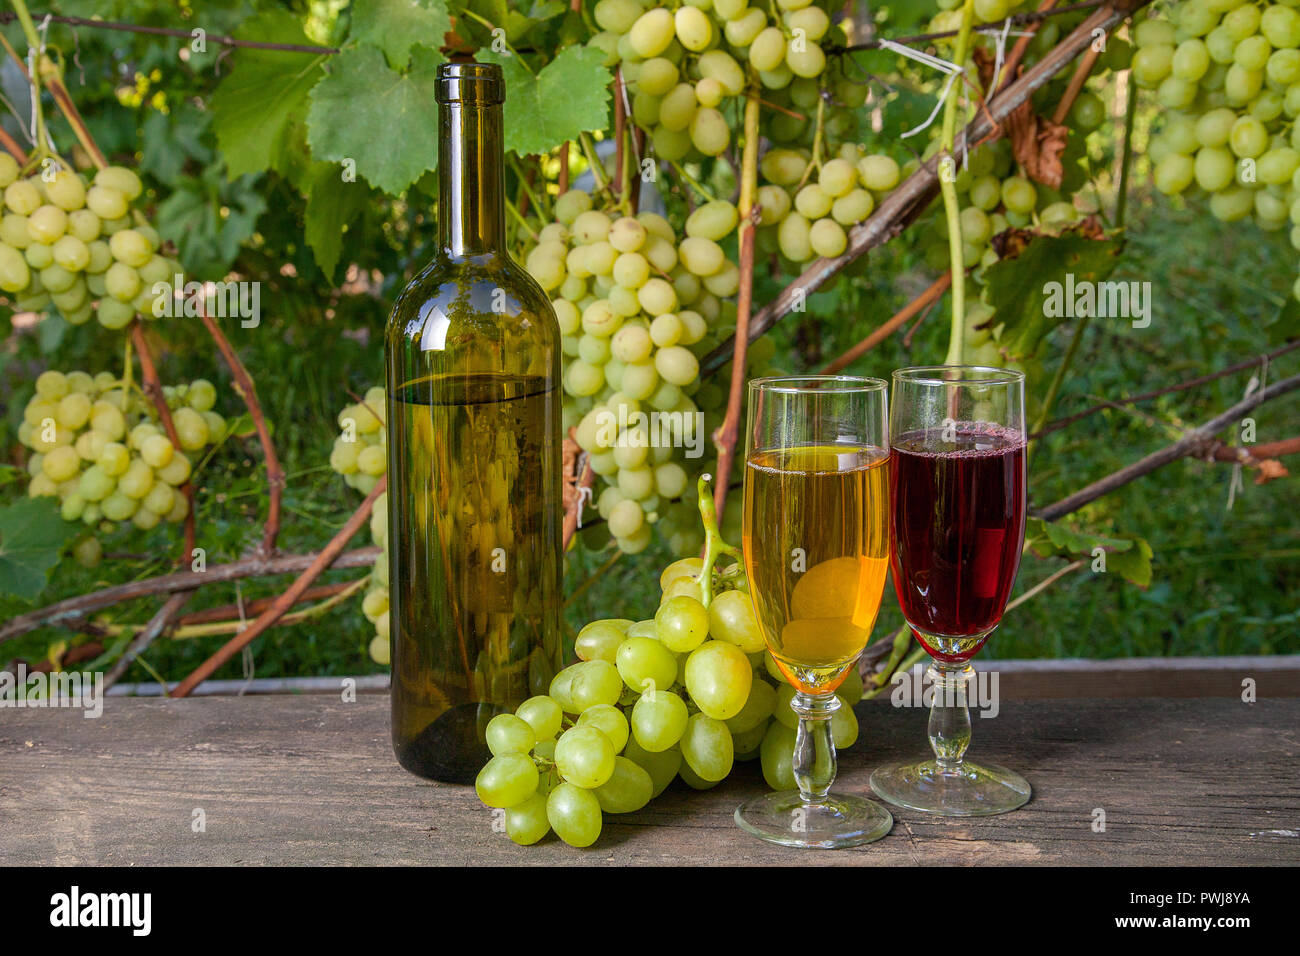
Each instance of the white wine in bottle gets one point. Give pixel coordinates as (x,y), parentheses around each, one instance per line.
(474,497)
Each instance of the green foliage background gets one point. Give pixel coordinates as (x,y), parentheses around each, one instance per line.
(240,155)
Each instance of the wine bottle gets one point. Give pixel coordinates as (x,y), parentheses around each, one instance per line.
(474,496)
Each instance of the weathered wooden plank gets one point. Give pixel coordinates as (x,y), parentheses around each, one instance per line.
(311,780)
(1274,676)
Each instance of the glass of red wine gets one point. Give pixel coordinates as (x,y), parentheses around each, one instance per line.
(957,447)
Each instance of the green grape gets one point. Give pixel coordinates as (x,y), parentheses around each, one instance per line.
(1174,173)
(707,747)
(73,410)
(758,708)
(599,640)
(1240,85)
(1151,64)
(681,624)
(678,108)
(584,756)
(136,481)
(14,273)
(812,201)
(1277,166)
(794,239)
(160,499)
(826,238)
(658,720)
(61,464)
(71,253)
(708,128)
(46,224)
(122,282)
(570,205)
(22,197)
(712,222)
(526,822)
(507,780)
(119,506)
(986,11)
(629,788)
(114,459)
(176,472)
(731,619)
(721,67)
(106,202)
(718,678)
(595,682)
(645,664)
(38,255)
(777,755)
(120,178)
(507,733)
(701,256)
(1248,137)
(1214,168)
(83,224)
(610,721)
(543,714)
(767,52)
(807,62)
(574,813)
(658,76)
(88,552)
(9,170)
(878,173)
(657,297)
(694,29)
(741,31)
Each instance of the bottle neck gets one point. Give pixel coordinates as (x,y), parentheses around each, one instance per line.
(471,180)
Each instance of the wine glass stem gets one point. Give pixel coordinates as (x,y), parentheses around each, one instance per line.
(814,747)
(949,717)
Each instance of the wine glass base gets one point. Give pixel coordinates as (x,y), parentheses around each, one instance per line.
(840,820)
(977,790)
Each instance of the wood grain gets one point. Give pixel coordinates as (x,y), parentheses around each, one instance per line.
(293,780)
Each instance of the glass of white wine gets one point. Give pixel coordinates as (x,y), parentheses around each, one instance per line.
(816,546)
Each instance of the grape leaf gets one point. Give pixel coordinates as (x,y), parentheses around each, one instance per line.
(331,205)
(567,97)
(396,25)
(31,536)
(1019,287)
(382,120)
(254,105)
(1130,557)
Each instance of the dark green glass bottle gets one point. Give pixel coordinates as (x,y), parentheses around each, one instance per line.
(474,495)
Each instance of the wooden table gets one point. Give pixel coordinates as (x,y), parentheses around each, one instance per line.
(310,779)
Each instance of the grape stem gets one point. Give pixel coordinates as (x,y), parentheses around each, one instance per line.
(286,600)
(714,545)
(948,188)
(36,49)
(728,433)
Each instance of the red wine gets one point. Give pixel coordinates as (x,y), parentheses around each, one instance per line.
(959,526)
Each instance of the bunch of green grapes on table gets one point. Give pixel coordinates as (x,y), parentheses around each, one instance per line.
(1226,76)
(682,695)
(360,455)
(637,309)
(73,245)
(100,448)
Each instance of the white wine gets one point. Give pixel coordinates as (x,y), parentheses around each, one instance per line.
(817,552)
(473,362)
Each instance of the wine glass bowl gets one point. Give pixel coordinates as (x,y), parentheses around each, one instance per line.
(816,547)
(957,445)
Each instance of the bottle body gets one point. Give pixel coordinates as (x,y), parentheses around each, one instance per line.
(475,513)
